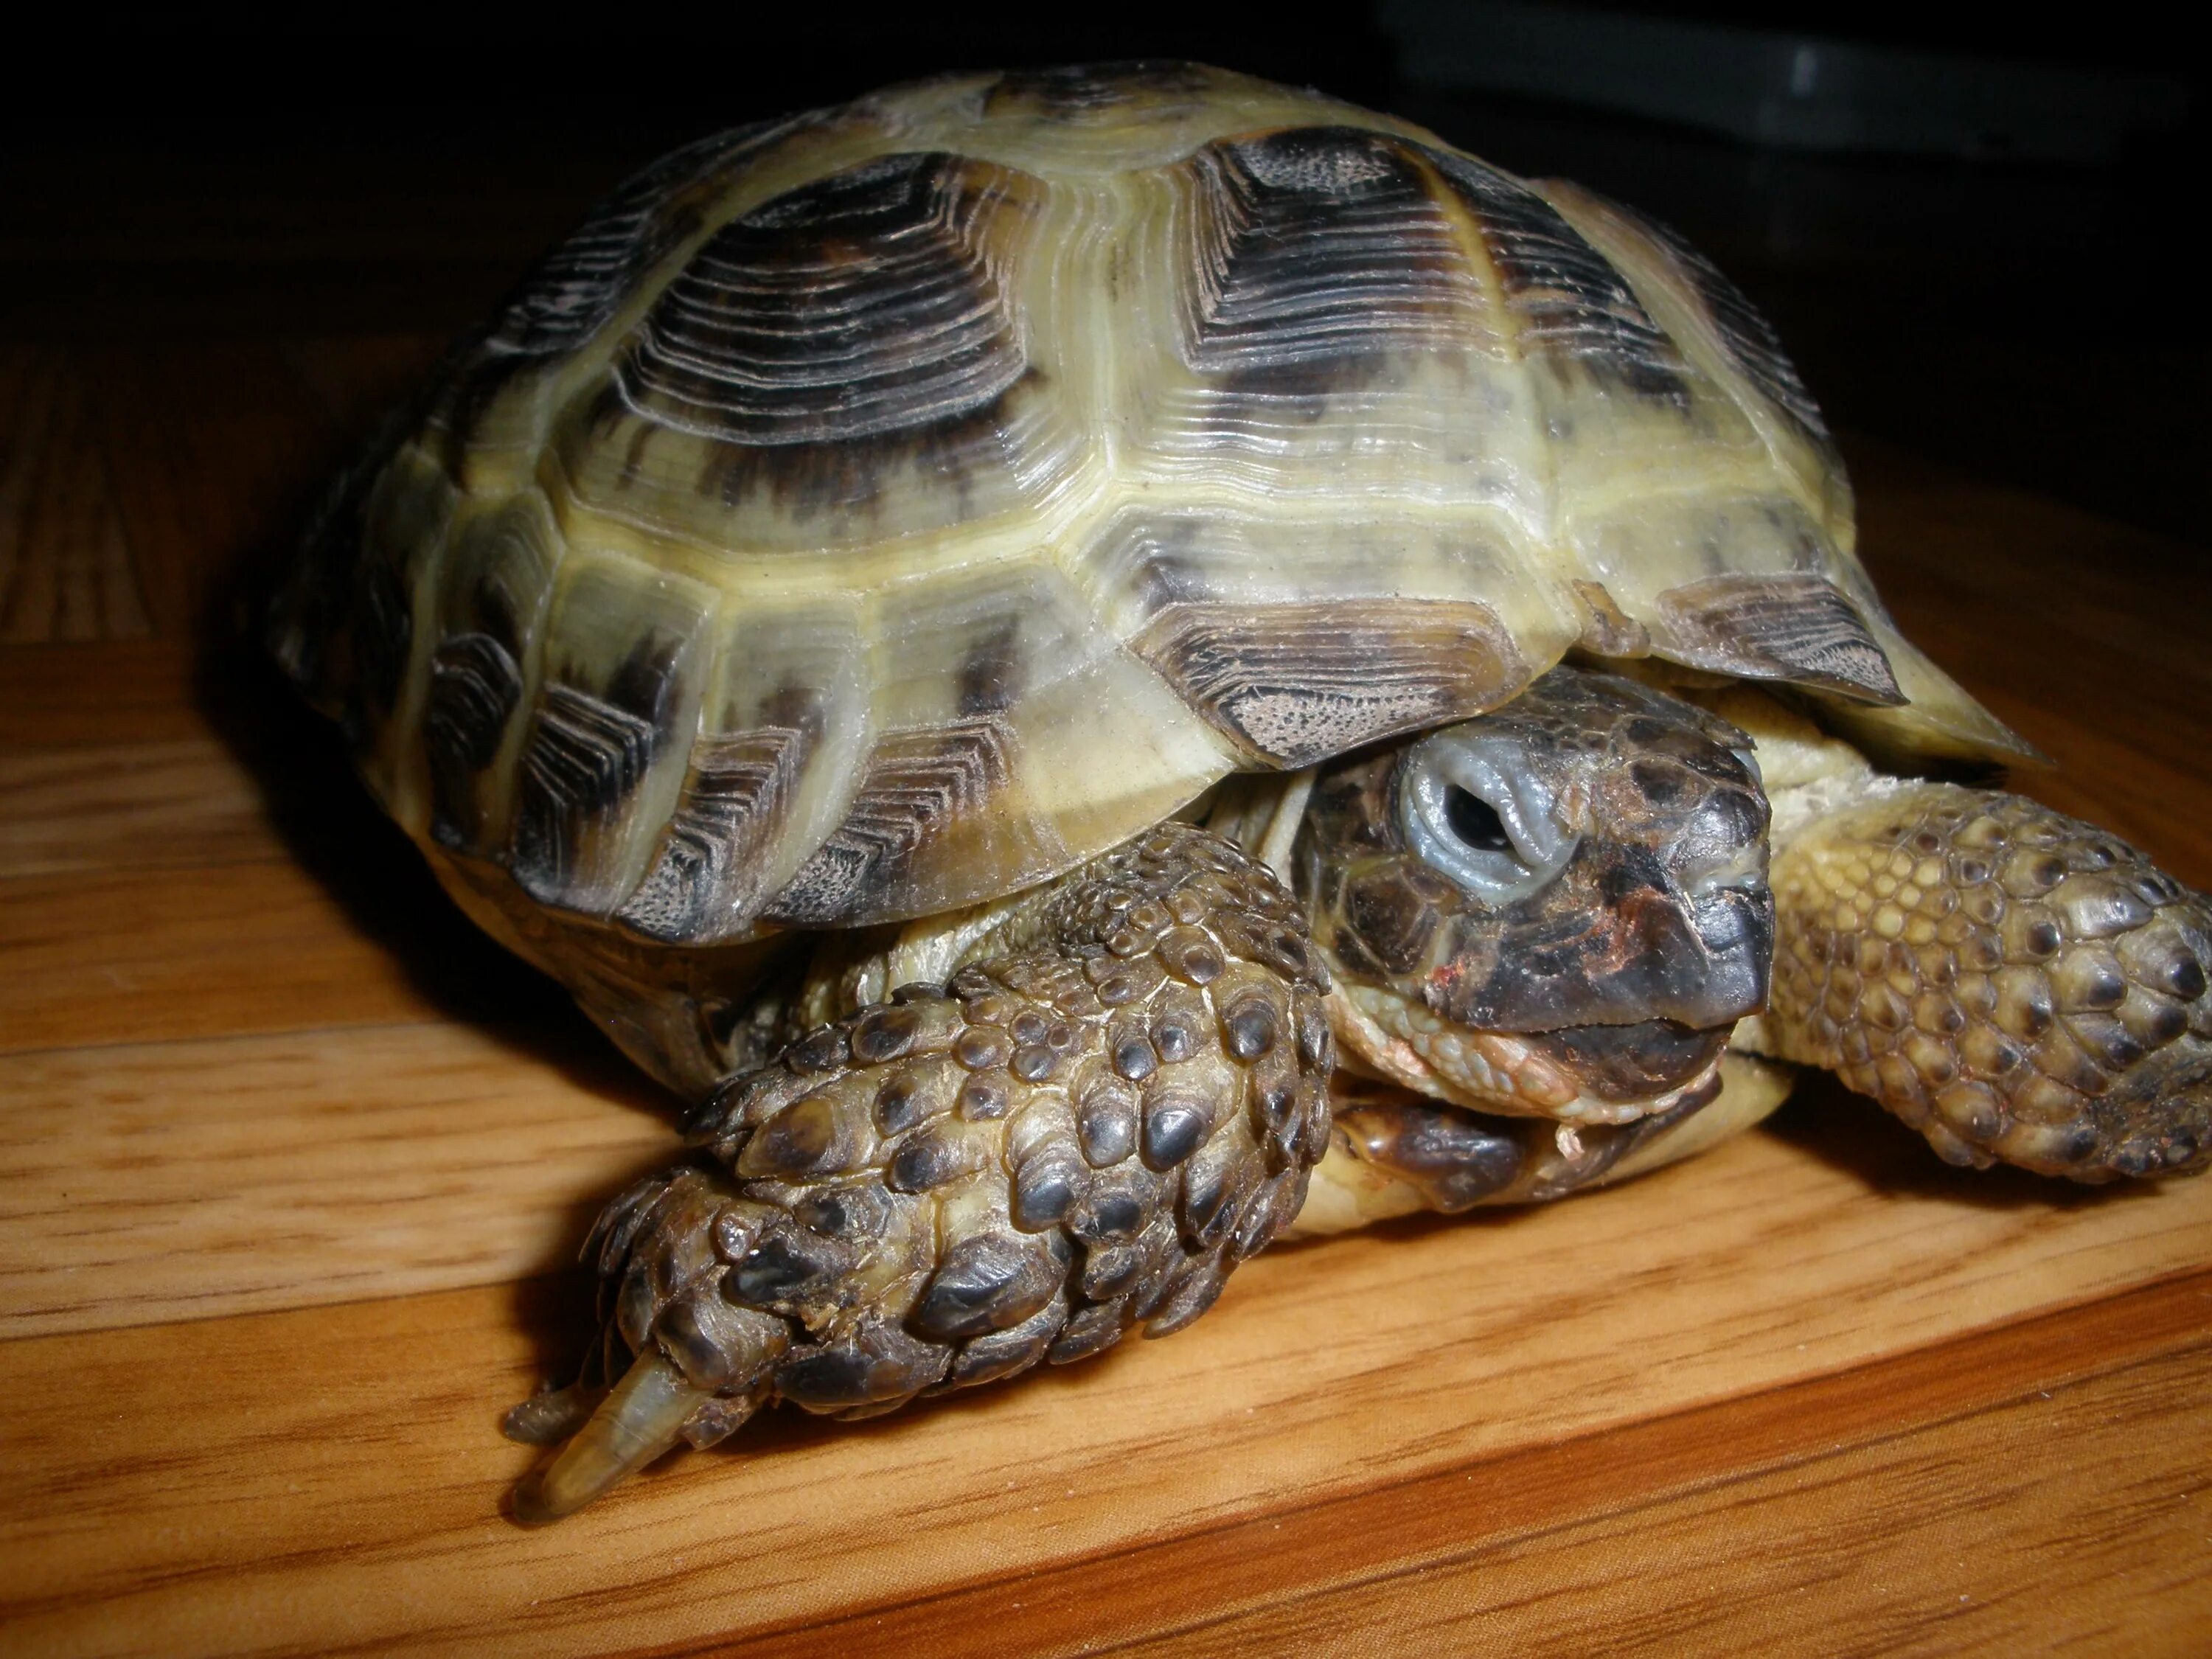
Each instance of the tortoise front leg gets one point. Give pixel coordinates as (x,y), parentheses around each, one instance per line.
(1083,1131)
(2013,982)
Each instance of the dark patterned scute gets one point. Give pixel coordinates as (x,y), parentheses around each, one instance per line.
(1570,301)
(586,754)
(1797,628)
(733,803)
(1316,246)
(858,305)
(383,629)
(474,687)
(916,783)
(1073,90)
(582,282)
(1299,683)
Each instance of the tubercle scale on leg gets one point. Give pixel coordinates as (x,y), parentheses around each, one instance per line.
(1082,1135)
(2015,983)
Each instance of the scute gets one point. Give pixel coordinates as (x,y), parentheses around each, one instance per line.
(578,288)
(1569,306)
(868,513)
(1315,248)
(861,304)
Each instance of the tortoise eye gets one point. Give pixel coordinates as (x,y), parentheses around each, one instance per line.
(1472,806)
(1476,821)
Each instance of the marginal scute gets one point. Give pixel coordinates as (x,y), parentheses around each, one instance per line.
(735,798)
(917,784)
(474,687)
(603,753)
(1798,629)
(586,755)
(404,516)
(1294,684)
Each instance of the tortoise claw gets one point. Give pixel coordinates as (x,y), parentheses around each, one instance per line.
(641,1418)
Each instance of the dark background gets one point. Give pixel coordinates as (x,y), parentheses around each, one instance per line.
(2033,320)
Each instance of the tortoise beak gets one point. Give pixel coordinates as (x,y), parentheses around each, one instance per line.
(1698,956)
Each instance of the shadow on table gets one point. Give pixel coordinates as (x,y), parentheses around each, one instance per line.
(1849,1133)
(334,830)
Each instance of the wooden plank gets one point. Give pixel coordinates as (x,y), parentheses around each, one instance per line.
(66,572)
(182,1180)
(214,450)
(117,691)
(226,875)
(236,770)
(183,802)
(290,1482)
(2043,1523)
(91,958)
(2051,1522)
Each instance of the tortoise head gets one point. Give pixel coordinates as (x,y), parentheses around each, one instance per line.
(1560,906)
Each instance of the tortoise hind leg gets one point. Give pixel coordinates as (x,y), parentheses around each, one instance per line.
(2015,983)
(1083,1131)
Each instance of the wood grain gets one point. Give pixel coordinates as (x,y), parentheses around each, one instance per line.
(66,572)
(186,802)
(2027,1523)
(214,449)
(65,697)
(185,1180)
(291,1161)
(127,956)
(337,1465)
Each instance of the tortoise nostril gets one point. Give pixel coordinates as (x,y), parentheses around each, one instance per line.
(1743,870)
(1476,821)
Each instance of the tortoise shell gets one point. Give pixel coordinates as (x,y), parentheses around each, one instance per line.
(875,511)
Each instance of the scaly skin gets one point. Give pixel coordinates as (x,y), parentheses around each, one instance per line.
(1122,1087)
(1115,1102)
(2013,983)
(1393,1152)
(1598,995)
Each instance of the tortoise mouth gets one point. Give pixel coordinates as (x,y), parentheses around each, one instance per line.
(1623,1064)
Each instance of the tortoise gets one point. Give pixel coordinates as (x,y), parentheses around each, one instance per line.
(999,637)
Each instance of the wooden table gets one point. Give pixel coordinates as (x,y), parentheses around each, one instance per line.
(292,1165)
